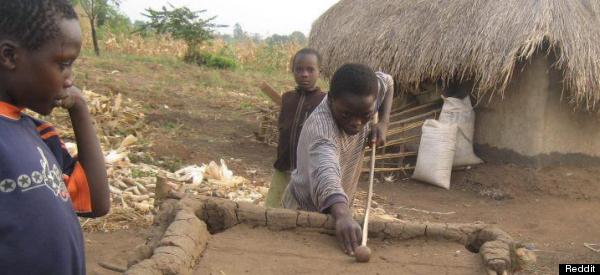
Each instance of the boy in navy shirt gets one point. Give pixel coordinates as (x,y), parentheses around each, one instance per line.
(42,187)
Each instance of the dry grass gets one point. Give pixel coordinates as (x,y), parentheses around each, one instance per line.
(134,44)
(483,40)
(248,54)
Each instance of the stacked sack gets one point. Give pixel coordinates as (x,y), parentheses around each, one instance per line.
(447,143)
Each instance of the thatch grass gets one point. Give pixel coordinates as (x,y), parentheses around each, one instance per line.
(482,40)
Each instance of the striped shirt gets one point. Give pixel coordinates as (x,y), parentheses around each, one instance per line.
(328,160)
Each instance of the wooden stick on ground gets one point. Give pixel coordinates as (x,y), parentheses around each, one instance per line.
(269,91)
(112,267)
(592,247)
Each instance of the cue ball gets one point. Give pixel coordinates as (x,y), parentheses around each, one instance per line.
(363,254)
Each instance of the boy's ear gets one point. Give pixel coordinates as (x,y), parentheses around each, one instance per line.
(8,54)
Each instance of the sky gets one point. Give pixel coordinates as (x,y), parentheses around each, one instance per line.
(265,17)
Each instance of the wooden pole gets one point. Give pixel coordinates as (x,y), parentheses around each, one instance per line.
(370,194)
(269,91)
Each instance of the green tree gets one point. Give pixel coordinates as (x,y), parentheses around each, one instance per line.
(256,38)
(181,23)
(295,37)
(138,27)
(114,20)
(277,39)
(298,37)
(94,10)
(238,33)
(226,37)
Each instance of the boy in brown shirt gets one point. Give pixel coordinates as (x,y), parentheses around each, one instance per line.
(296,107)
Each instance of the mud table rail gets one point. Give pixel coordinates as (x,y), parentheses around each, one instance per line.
(182,229)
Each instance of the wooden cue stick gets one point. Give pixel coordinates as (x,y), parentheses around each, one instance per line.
(370,194)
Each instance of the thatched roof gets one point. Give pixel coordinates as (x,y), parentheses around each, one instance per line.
(483,40)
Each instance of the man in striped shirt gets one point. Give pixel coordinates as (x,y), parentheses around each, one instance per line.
(330,148)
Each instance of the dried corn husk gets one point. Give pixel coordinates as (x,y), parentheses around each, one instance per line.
(128,141)
(133,184)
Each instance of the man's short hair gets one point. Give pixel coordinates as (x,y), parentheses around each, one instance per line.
(353,79)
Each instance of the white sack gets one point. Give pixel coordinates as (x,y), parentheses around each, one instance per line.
(436,153)
(460,112)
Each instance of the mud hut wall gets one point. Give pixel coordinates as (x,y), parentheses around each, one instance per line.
(573,133)
(515,122)
(533,124)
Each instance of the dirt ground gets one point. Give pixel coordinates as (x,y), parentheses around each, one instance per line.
(555,209)
(111,248)
(262,251)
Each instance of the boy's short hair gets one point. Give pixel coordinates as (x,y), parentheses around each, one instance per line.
(305,51)
(33,22)
(355,79)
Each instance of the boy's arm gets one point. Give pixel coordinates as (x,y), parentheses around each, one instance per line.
(89,152)
(380,129)
(347,230)
(328,193)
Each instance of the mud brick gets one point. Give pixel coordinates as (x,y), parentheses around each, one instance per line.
(145,267)
(492,233)
(171,260)
(317,220)
(413,230)
(303,220)
(192,204)
(166,212)
(192,239)
(280,219)
(435,230)
(394,229)
(496,256)
(376,226)
(186,224)
(138,254)
(226,209)
(188,245)
(251,214)
(359,218)
(471,228)
(453,233)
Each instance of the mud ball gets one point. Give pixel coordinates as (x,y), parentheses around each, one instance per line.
(362,254)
